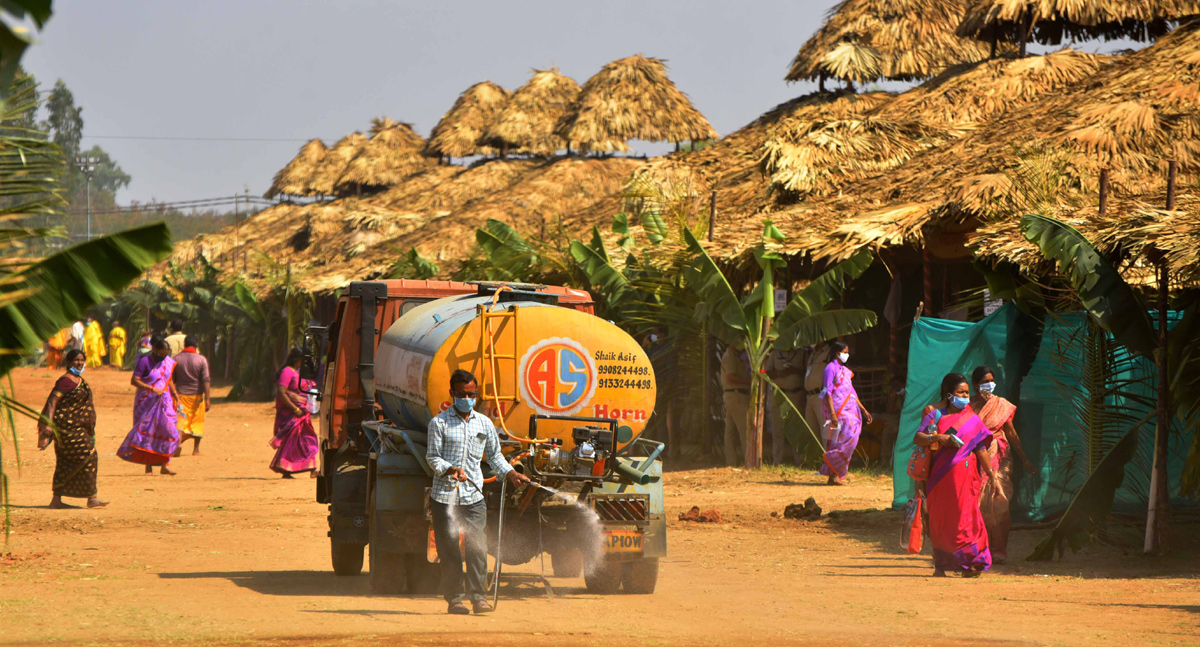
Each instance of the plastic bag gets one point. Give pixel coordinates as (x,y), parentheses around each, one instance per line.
(910,532)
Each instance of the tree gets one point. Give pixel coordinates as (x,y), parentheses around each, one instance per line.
(108,177)
(64,120)
(750,322)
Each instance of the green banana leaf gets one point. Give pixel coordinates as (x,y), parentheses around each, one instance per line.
(831,324)
(1092,501)
(815,296)
(1105,295)
(719,304)
(613,286)
(63,286)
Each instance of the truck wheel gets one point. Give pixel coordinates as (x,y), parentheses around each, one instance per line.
(567,562)
(387,573)
(423,578)
(347,557)
(604,578)
(641,576)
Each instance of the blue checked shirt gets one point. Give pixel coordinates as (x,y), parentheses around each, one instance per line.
(454,442)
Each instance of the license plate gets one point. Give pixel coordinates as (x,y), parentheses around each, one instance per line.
(623,541)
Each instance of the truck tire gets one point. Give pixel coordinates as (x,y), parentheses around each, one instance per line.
(423,578)
(388,573)
(567,562)
(640,577)
(603,579)
(347,557)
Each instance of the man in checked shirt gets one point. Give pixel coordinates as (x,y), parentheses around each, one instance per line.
(459,439)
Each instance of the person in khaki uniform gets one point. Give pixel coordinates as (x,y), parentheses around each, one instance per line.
(735,381)
(814,381)
(786,369)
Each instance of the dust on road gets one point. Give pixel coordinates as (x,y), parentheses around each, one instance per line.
(226,553)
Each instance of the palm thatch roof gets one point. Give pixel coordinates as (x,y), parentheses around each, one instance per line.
(393,152)
(1073,116)
(1050,21)
(526,125)
(336,162)
(296,178)
(475,112)
(632,98)
(868,40)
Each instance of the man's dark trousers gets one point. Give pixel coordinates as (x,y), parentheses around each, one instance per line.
(447,523)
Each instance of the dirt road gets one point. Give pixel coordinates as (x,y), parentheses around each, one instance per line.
(227,553)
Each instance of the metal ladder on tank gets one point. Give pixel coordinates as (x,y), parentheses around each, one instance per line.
(489,358)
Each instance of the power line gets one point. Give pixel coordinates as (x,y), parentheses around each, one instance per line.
(190,204)
(194,139)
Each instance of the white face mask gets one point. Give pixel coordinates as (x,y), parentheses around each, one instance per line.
(844,357)
(987,387)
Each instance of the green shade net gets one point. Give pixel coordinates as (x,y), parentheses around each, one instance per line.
(1041,374)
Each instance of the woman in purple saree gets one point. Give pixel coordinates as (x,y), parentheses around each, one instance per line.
(295,440)
(154,437)
(842,410)
(959,441)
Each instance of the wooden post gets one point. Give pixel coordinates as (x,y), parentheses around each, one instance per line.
(228,352)
(712,215)
(927,276)
(1103,191)
(1158,514)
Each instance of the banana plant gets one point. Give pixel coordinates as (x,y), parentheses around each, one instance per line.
(751,324)
(1117,308)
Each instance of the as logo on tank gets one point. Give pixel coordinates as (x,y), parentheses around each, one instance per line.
(557,376)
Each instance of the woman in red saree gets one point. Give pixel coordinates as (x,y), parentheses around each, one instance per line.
(295,440)
(997,415)
(960,441)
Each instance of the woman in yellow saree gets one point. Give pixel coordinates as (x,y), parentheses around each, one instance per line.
(93,344)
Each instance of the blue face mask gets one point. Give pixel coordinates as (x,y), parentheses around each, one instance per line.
(464,405)
(77,372)
(960,403)
(987,387)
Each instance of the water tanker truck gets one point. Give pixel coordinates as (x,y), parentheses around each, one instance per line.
(570,395)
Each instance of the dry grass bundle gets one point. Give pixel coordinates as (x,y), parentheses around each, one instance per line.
(819,156)
(1050,21)
(867,40)
(336,162)
(393,153)
(297,177)
(978,93)
(632,98)
(526,125)
(458,133)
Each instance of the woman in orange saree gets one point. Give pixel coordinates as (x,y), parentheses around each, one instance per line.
(995,498)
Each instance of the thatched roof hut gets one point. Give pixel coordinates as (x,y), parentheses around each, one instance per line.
(632,98)
(526,125)
(296,178)
(393,152)
(1127,114)
(475,112)
(1051,21)
(336,162)
(868,40)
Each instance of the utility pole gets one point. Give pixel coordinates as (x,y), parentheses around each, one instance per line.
(87,165)
(236,231)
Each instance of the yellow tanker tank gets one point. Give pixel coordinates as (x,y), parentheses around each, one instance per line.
(531,357)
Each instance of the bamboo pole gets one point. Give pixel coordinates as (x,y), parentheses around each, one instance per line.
(1103,191)
(1158,514)
(712,214)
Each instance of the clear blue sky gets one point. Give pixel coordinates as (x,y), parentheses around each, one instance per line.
(298,69)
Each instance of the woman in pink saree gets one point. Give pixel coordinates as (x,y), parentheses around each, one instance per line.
(959,441)
(154,437)
(997,415)
(842,409)
(295,440)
